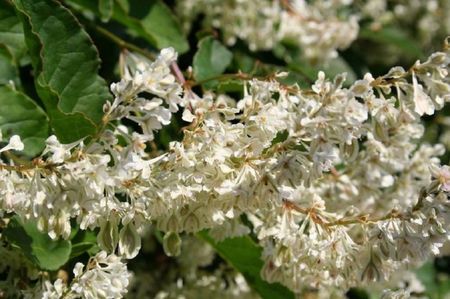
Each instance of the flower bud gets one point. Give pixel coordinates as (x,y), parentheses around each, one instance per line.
(61,226)
(172,244)
(129,241)
(108,236)
(350,151)
(191,223)
(169,224)
(371,273)
(283,256)
(385,248)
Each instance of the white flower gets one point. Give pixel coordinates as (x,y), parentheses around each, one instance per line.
(59,152)
(129,241)
(315,27)
(53,291)
(14,144)
(105,276)
(333,194)
(423,102)
(362,87)
(355,112)
(442,174)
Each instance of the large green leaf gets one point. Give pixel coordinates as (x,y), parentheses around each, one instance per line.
(46,253)
(66,64)
(436,286)
(8,70)
(332,68)
(393,36)
(245,256)
(12,45)
(211,59)
(20,115)
(155,20)
(151,20)
(11,32)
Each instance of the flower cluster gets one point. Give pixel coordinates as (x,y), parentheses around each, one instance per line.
(332,179)
(105,276)
(317,27)
(430,19)
(320,28)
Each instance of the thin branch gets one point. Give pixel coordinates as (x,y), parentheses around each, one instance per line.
(177,73)
(129,46)
(361,219)
(223,77)
(122,43)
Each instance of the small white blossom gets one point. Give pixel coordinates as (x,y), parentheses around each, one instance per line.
(337,188)
(105,276)
(423,103)
(15,143)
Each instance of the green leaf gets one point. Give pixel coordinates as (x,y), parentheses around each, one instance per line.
(232,85)
(393,36)
(151,20)
(66,64)
(338,66)
(333,67)
(211,60)
(436,285)
(244,255)
(124,5)
(84,241)
(11,33)
(105,8)
(46,253)
(427,275)
(243,62)
(19,115)
(280,137)
(8,70)
(155,20)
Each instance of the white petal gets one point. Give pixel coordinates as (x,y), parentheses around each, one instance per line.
(423,103)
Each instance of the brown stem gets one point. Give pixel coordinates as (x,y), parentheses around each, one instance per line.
(177,73)
(223,77)
(122,43)
(362,219)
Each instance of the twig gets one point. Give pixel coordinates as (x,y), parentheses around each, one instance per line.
(122,43)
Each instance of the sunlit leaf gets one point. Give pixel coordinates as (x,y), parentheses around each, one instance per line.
(65,63)
(245,256)
(19,115)
(37,246)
